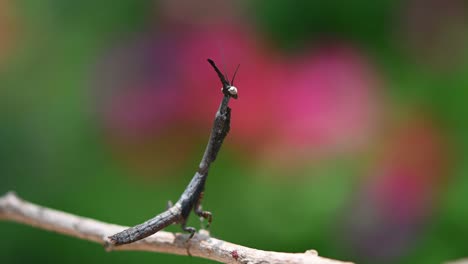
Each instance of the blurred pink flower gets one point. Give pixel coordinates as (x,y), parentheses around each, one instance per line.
(330,99)
(327,104)
(396,201)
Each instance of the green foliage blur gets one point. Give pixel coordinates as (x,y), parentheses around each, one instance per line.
(53,150)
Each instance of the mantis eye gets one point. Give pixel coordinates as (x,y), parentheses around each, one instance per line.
(232,90)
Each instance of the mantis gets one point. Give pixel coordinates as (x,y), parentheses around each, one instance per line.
(192,196)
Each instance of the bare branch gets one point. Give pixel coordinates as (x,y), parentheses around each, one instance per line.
(459,261)
(14,209)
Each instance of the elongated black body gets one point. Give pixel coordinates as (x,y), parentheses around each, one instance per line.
(193,194)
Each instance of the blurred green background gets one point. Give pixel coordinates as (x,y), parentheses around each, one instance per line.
(348,137)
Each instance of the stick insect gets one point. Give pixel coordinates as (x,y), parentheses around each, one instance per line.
(192,196)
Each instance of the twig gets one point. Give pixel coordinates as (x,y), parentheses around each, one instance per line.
(193,194)
(201,245)
(458,261)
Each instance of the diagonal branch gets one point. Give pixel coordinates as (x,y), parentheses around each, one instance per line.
(14,209)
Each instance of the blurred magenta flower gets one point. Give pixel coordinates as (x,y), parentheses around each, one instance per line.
(400,193)
(331,99)
(328,103)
